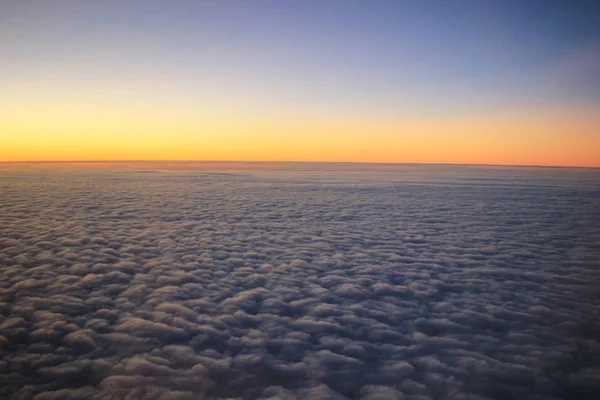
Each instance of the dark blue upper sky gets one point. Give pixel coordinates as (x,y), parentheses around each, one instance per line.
(381,55)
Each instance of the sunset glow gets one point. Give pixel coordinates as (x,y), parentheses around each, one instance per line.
(162,81)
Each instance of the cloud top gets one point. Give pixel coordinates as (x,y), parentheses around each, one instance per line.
(199,285)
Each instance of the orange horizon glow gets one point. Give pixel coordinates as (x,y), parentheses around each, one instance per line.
(559,138)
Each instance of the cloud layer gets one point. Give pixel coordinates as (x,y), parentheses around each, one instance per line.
(216,286)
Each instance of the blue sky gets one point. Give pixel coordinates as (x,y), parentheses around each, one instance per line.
(388,56)
(304,60)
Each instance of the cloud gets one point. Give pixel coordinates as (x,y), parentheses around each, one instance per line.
(270,286)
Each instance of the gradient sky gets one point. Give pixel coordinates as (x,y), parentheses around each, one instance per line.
(499,82)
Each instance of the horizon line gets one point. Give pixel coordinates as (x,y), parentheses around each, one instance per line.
(297,162)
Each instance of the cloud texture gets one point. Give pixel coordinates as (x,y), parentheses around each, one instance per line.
(198,285)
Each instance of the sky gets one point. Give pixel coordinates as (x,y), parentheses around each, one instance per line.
(510,82)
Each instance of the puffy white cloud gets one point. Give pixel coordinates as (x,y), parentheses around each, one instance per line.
(347,286)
